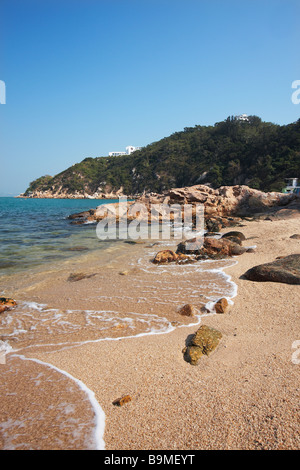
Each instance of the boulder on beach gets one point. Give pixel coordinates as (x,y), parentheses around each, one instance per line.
(202,343)
(284,269)
(234,234)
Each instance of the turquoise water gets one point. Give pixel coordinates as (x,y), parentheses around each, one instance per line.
(36,231)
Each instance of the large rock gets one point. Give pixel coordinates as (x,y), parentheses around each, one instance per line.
(234,234)
(203,343)
(286,270)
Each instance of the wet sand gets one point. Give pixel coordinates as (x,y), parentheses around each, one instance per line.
(244,396)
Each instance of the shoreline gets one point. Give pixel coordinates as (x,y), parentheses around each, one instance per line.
(243,396)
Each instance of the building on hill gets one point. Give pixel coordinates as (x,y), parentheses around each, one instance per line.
(242,117)
(130,149)
(292,186)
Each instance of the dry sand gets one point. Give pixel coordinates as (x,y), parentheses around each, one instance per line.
(244,396)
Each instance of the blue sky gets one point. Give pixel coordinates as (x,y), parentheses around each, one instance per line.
(85,77)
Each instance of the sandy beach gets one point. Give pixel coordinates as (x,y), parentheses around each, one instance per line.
(245,395)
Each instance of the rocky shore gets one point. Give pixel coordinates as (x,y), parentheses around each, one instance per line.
(223,207)
(62,193)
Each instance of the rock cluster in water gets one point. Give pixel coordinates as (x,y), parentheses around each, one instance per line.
(230,244)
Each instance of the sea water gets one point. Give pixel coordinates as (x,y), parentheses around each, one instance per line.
(36,231)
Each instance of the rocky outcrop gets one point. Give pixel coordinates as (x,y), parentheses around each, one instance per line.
(223,207)
(285,269)
(202,343)
(63,193)
(237,200)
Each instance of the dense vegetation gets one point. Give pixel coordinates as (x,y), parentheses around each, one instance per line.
(256,153)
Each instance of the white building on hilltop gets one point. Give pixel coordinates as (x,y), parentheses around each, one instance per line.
(130,149)
(242,117)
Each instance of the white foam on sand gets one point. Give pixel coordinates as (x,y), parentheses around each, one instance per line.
(99,413)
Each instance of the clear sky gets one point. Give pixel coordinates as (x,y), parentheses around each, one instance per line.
(85,77)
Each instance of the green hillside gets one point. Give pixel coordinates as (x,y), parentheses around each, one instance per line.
(256,153)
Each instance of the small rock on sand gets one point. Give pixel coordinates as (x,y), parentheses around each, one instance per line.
(187,310)
(6,304)
(121,401)
(222,305)
(203,343)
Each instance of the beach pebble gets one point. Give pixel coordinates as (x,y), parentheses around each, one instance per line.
(6,304)
(121,401)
